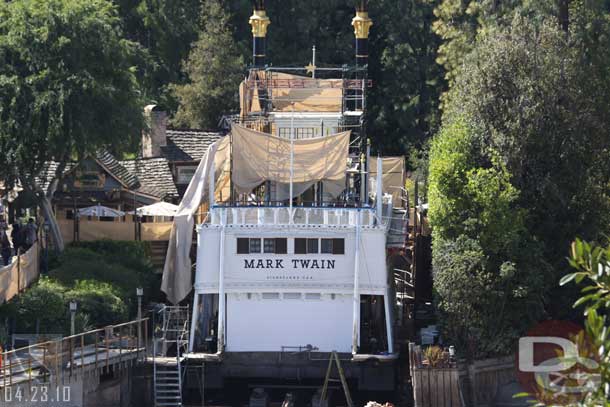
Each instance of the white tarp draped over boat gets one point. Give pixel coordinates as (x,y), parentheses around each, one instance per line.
(257,157)
(260,157)
(176,283)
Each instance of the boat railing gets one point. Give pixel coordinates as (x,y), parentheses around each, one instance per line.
(308,216)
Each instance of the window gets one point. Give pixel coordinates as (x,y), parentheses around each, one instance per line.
(243,245)
(312,246)
(247,245)
(292,296)
(255,245)
(306,246)
(313,296)
(185,174)
(271,296)
(333,246)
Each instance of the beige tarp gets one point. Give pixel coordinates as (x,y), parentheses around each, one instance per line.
(257,157)
(260,157)
(307,94)
(18,275)
(393,178)
(95,230)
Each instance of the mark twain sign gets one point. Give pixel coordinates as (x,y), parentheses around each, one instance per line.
(296,264)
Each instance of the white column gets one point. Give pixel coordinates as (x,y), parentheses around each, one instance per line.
(379,193)
(211,186)
(356,299)
(221,286)
(291,161)
(194,316)
(388,321)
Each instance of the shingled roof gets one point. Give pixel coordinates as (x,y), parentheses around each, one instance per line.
(113,165)
(188,145)
(155,176)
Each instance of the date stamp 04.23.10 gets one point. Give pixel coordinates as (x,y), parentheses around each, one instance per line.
(39,395)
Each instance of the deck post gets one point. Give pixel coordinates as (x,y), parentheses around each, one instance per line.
(356,310)
(195,312)
(388,321)
(221,285)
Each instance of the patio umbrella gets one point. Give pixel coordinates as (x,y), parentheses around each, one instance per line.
(101,211)
(158,209)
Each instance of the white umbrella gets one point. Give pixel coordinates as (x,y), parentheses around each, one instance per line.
(158,209)
(101,211)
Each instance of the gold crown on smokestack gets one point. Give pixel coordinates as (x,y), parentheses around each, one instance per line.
(362,24)
(259,20)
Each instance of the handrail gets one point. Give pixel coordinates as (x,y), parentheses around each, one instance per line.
(66,354)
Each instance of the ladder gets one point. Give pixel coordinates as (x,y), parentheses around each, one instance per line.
(348,398)
(167,370)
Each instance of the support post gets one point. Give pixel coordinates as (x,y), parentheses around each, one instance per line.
(221,285)
(195,314)
(388,321)
(291,161)
(356,298)
(379,190)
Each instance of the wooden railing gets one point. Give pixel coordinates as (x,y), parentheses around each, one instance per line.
(100,348)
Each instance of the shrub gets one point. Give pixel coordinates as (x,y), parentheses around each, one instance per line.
(100,301)
(43,304)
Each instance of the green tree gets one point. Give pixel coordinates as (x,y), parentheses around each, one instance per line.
(458,23)
(214,68)
(538,101)
(487,279)
(165,29)
(403,103)
(67,89)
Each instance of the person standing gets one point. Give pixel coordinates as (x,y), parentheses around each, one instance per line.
(17,237)
(5,248)
(30,234)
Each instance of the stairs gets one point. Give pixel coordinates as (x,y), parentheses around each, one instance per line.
(158,251)
(168,384)
(168,374)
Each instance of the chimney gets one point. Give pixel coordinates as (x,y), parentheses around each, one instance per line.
(362,24)
(154,135)
(259,22)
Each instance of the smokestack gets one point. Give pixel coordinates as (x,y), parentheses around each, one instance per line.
(259,22)
(362,24)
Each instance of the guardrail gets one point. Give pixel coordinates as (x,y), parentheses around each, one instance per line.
(97,349)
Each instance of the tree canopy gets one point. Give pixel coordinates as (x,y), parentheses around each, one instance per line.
(521,164)
(67,85)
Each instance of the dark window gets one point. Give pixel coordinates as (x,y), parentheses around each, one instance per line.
(255,245)
(268,245)
(300,246)
(338,246)
(333,246)
(327,246)
(243,245)
(281,245)
(312,246)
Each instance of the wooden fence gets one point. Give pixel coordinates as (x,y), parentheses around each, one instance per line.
(475,384)
(487,376)
(433,386)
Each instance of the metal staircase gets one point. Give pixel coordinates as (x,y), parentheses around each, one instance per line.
(168,347)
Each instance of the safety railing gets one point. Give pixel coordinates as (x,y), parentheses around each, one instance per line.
(100,348)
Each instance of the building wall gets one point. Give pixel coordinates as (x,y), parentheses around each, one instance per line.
(263,323)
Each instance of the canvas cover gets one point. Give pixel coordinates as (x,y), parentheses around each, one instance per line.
(294,93)
(18,275)
(257,157)
(260,157)
(393,169)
